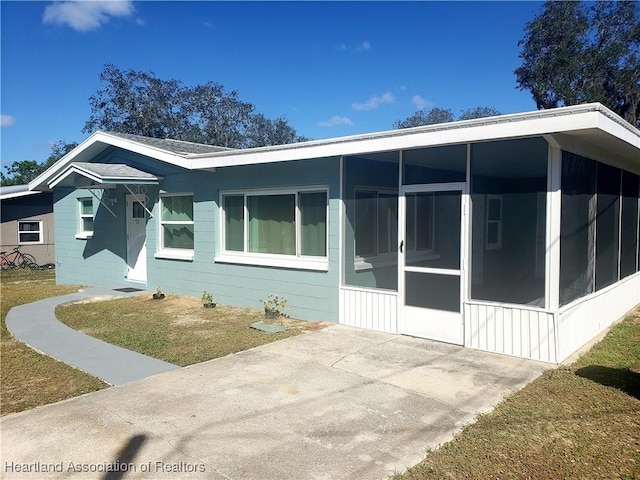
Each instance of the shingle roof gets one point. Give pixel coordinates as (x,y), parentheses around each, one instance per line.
(177,147)
(114,170)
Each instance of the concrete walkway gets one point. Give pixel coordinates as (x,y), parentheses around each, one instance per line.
(339,403)
(36,325)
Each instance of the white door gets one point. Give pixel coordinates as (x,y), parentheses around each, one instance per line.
(431,268)
(136,240)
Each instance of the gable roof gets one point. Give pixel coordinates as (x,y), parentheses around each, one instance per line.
(86,175)
(589,123)
(178,147)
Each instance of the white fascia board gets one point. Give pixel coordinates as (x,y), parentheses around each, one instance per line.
(74,169)
(42,180)
(618,130)
(146,150)
(7,196)
(102,140)
(495,128)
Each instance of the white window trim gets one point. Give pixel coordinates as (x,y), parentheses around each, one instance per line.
(390,258)
(493,245)
(85,234)
(39,232)
(185,254)
(297,261)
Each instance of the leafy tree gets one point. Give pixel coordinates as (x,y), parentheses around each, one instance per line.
(478,112)
(442,115)
(574,53)
(140,103)
(426,117)
(23,171)
(20,172)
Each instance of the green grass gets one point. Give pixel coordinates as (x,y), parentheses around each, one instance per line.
(30,379)
(178,330)
(575,422)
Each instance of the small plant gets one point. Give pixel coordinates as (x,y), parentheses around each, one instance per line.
(158,295)
(207,300)
(274,306)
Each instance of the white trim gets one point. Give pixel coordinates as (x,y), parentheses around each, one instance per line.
(175,254)
(297,260)
(40,232)
(274,260)
(7,196)
(171,252)
(587,118)
(81,232)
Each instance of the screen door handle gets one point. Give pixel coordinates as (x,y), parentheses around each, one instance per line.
(401,245)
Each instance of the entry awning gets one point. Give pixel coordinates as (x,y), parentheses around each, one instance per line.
(101,175)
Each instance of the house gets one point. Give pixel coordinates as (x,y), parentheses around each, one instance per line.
(27,222)
(516,234)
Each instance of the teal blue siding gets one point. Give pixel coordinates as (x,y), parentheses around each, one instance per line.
(101,261)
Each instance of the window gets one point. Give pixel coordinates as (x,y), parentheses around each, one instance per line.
(274,227)
(29,232)
(176,225)
(494,222)
(85,227)
(376,223)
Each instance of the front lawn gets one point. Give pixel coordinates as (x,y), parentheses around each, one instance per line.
(30,379)
(176,329)
(580,422)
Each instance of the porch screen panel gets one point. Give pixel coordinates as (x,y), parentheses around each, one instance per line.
(271,226)
(313,228)
(434,165)
(629,225)
(508,265)
(234,223)
(370,221)
(607,225)
(577,227)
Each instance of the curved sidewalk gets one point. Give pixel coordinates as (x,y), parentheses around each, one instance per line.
(36,325)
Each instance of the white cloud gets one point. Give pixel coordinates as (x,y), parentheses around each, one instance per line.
(86,15)
(420,102)
(336,120)
(364,46)
(7,120)
(374,102)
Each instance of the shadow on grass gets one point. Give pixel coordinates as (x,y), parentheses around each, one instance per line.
(621,378)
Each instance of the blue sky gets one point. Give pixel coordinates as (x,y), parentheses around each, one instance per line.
(332,69)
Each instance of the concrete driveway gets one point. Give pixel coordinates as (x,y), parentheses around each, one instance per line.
(339,403)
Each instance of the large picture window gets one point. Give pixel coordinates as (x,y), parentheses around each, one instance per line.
(176,222)
(270,225)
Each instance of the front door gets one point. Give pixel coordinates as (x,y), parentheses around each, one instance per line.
(431,261)
(136,240)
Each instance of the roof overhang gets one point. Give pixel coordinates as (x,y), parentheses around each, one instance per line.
(591,125)
(101,175)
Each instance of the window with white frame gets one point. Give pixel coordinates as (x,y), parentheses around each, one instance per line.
(376,223)
(176,223)
(29,232)
(275,226)
(85,227)
(494,222)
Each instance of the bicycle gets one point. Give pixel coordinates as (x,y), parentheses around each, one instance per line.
(17,259)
